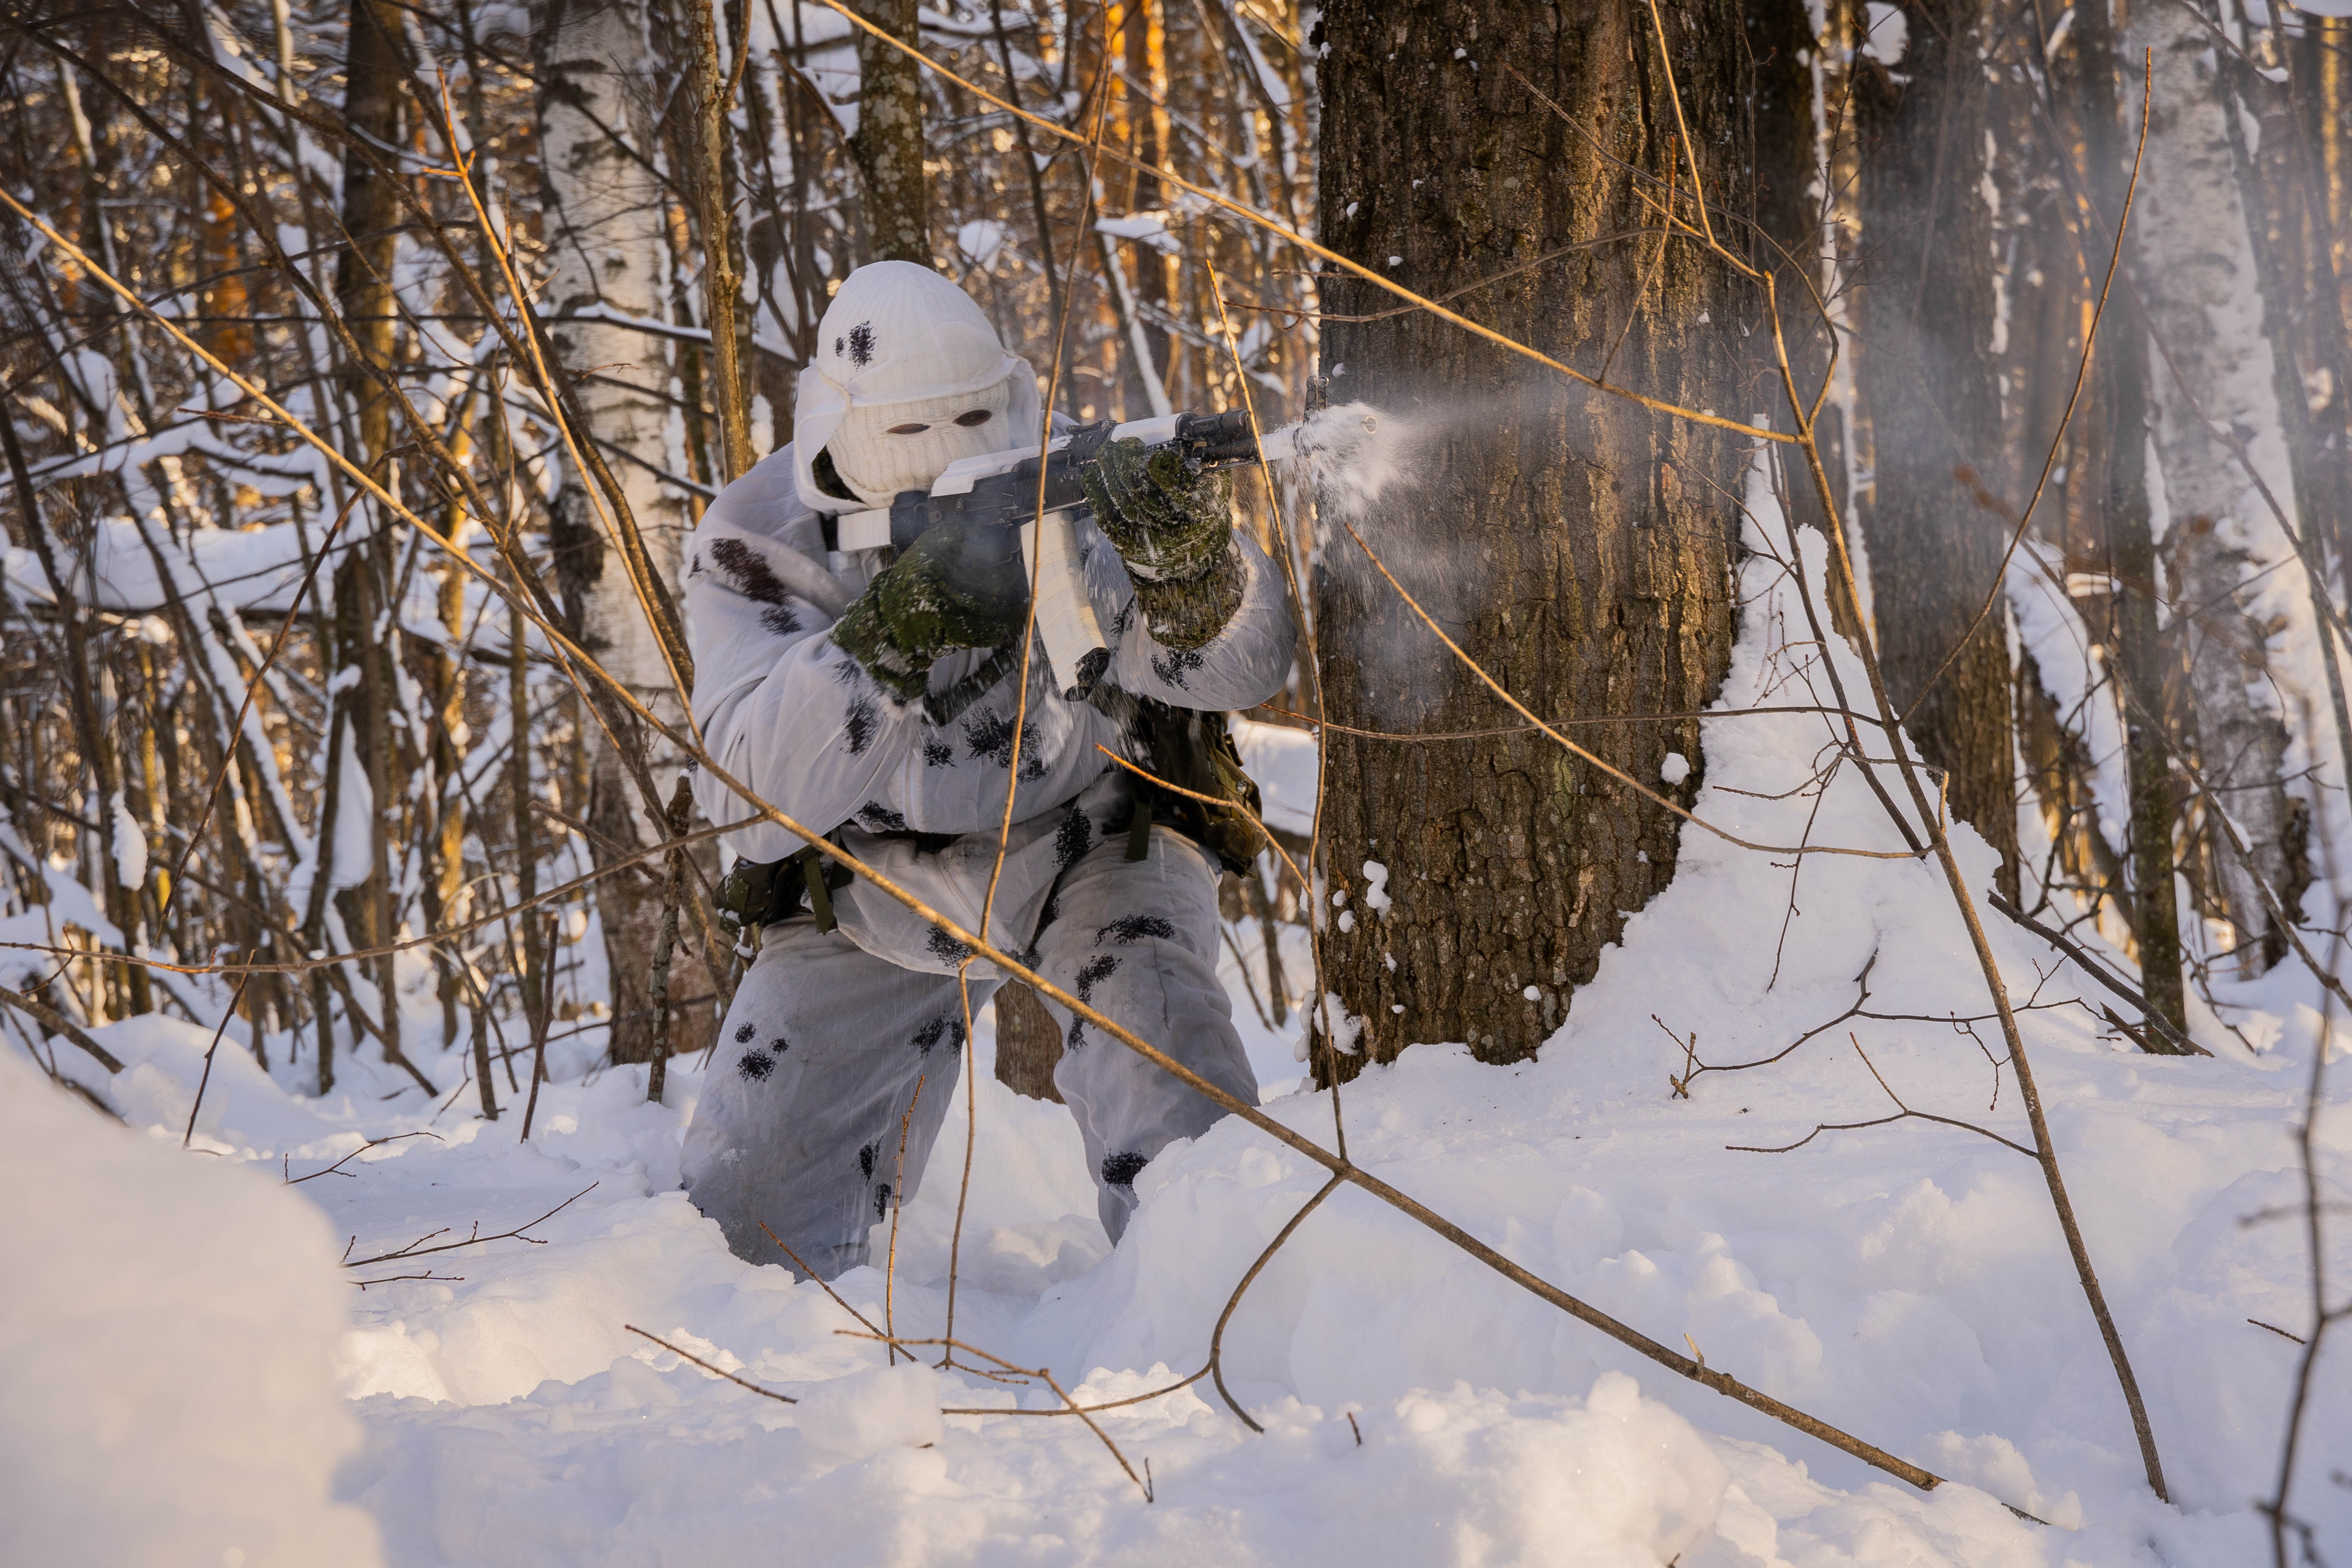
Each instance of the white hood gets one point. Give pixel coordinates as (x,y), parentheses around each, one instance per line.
(897,333)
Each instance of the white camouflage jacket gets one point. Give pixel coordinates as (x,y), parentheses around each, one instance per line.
(784,709)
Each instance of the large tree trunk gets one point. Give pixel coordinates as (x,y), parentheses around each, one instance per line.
(1577,546)
(605,244)
(1927,379)
(892,193)
(2195,269)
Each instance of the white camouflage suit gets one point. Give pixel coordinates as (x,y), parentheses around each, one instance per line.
(819,1058)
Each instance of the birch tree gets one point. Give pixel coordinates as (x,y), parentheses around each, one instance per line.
(606,262)
(2212,366)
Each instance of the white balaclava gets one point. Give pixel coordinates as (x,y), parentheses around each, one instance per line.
(899,346)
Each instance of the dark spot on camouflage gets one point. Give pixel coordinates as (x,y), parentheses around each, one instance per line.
(1094,973)
(990,735)
(861,344)
(1176,666)
(1135,928)
(836,346)
(1120,1170)
(866,1159)
(749,571)
(1124,619)
(882,1201)
(938,754)
(694,567)
(875,818)
(1074,837)
(859,724)
(744,1034)
(780,1044)
(945,1026)
(945,948)
(756,581)
(756,1066)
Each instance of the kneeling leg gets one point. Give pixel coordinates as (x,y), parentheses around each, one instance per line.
(818,1063)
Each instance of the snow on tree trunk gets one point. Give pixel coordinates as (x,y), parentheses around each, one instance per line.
(603,214)
(2195,269)
(887,148)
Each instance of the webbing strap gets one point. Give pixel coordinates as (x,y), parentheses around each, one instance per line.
(820,898)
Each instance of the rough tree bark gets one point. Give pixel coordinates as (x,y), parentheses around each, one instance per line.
(374,68)
(604,247)
(887,148)
(1028,1045)
(1927,378)
(1576,544)
(2195,269)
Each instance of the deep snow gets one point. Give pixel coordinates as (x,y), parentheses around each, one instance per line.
(1906,1282)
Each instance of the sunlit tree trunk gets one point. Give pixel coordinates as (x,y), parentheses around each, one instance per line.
(1577,546)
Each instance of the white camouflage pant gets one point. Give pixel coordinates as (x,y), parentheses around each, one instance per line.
(818,1059)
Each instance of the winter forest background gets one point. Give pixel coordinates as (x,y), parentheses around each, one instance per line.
(1823,725)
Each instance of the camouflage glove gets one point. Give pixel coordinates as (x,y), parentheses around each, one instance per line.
(1168,520)
(1172,524)
(956,586)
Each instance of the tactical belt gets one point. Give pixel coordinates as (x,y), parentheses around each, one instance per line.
(764,892)
(1193,748)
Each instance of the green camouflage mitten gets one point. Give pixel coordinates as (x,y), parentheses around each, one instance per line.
(956,586)
(1172,524)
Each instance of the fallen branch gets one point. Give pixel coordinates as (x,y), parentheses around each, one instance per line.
(285,1161)
(418,1249)
(57,1024)
(714,1370)
(2176,1044)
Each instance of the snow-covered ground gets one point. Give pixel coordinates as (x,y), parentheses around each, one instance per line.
(1906,1282)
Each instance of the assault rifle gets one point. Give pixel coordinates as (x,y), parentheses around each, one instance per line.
(999,489)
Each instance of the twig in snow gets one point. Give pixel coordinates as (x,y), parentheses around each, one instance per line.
(2175,1042)
(1902,1113)
(898,1203)
(284,1168)
(1045,1374)
(418,1249)
(714,1370)
(198,1103)
(808,1273)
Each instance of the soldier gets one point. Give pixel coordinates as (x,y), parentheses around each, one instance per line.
(893,727)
